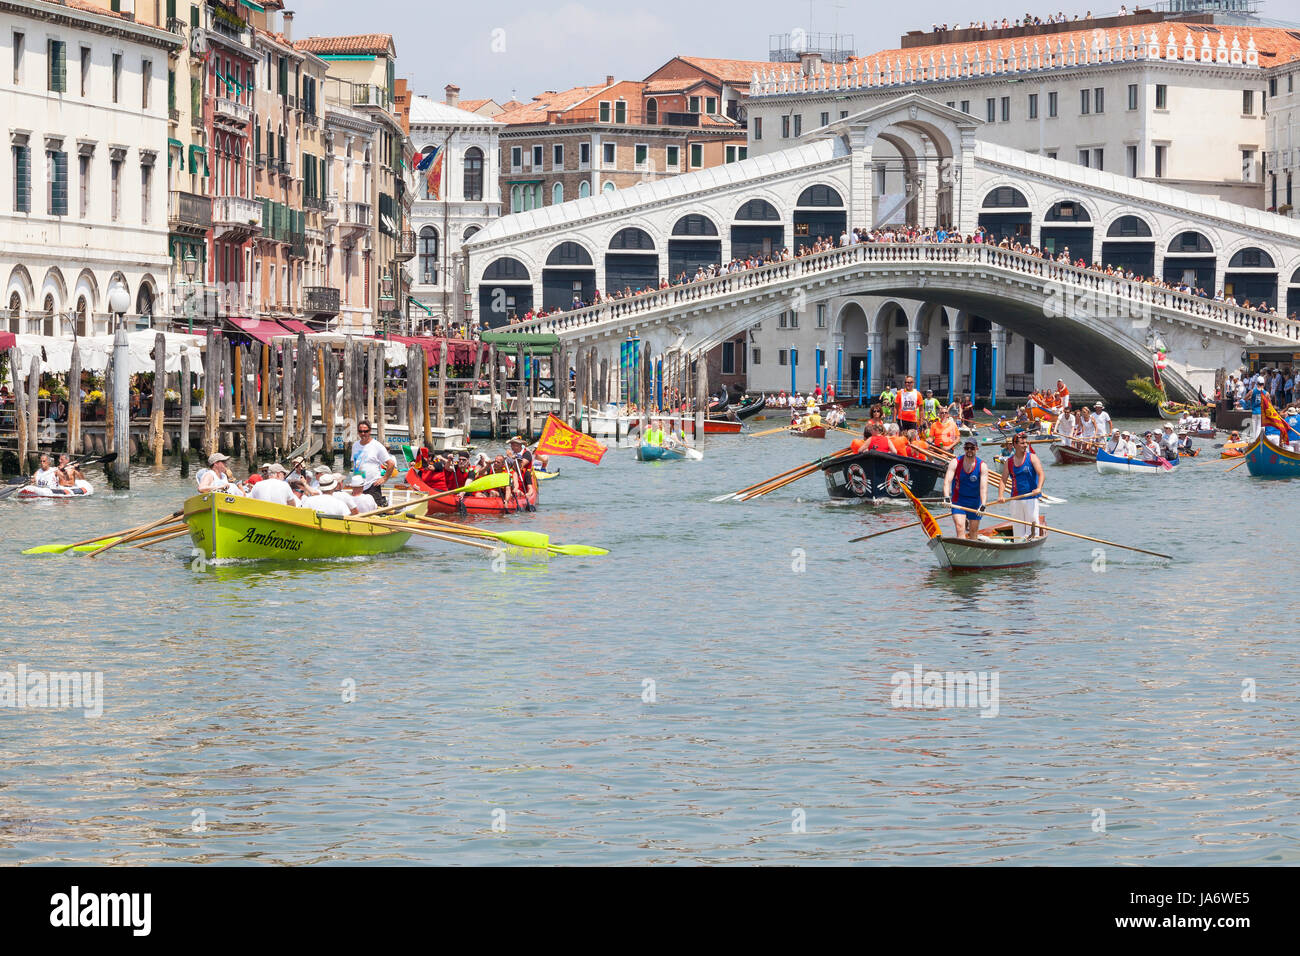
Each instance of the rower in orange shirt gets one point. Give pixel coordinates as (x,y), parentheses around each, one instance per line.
(908,403)
(943,433)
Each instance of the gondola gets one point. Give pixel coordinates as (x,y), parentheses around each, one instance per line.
(1108,464)
(876,475)
(1266,459)
(750,408)
(1073,455)
(1172,411)
(996,550)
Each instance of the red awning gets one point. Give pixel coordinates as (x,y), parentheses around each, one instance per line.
(7,340)
(261,329)
(294,326)
(459,351)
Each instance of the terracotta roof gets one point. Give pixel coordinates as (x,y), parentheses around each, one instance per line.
(543,103)
(372,44)
(1275,44)
(730,71)
(679,85)
(511,105)
(472,105)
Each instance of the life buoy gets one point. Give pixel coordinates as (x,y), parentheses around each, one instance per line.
(898,476)
(858,480)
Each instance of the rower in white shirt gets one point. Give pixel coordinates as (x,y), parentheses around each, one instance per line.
(274,488)
(325,503)
(1101,420)
(362,500)
(1123,447)
(217,476)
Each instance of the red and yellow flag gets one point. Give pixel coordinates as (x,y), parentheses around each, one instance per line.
(1271,419)
(930,525)
(559,439)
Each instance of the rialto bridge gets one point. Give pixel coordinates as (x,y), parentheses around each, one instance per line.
(910,307)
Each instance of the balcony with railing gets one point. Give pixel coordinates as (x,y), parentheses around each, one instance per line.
(321,300)
(235,215)
(226,26)
(176,25)
(282,167)
(232,111)
(189,211)
(351,216)
(405,246)
(368,94)
(315,202)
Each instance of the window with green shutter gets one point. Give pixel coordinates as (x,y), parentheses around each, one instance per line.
(58,66)
(284,76)
(115,6)
(58,183)
(196,99)
(171,89)
(257,143)
(22,179)
(171,9)
(194,16)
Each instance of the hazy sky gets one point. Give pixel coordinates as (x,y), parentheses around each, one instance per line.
(493,47)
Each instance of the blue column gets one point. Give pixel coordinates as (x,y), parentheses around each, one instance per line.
(659,382)
(952,369)
(993,375)
(794,365)
(864,390)
(839,370)
(974,368)
(817,366)
(919,386)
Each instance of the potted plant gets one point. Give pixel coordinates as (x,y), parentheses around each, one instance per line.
(95,402)
(196,401)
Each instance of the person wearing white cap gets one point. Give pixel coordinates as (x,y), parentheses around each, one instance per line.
(326,502)
(217,476)
(1168,441)
(1123,446)
(1102,421)
(363,501)
(274,488)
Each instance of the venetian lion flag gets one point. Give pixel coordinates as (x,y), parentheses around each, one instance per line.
(1271,419)
(927,520)
(559,439)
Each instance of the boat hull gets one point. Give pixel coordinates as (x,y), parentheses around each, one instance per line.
(751,409)
(1172,411)
(815,432)
(1264,459)
(875,475)
(489,504)
(985,553)
(1069,455)
(82,489)
(659,453)
(712,427)
(1108,464)
(230,527)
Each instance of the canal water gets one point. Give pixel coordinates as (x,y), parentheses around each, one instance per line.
(722,687)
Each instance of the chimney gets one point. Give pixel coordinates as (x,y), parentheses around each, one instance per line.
(609,81)
(287,29)
(810,62)
(453,94)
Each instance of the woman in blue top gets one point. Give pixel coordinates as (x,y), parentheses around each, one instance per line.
(1256,399)
(967,484)
(1023,474)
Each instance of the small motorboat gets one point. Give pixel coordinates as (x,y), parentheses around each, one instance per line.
(81,489)
(995,549)
(1266,459)
(1108,464)
(1074,455)
(646,452)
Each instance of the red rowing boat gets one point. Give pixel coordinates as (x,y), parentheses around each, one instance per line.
(481,504)
(718,426)
(817,431)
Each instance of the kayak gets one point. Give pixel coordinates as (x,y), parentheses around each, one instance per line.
(1108,464)
(543,475)
(481,504)
(81,489)
(227,526)
(666,453)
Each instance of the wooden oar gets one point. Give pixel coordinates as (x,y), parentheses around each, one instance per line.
(115,537)
(772,431)
(487,483)
(767,481)
(1071,534)
(946,514)
(170,535)
(519,539)
(136,534)
(426,532)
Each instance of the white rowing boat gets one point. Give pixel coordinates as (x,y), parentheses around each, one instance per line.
(985,552)
(82,489)
(1108,464)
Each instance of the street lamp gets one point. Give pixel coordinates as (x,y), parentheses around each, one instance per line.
(189,265)
(118,304)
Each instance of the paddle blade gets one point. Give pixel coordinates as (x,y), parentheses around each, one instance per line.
(524,539)
(486,483)
(577,550)
(61,548)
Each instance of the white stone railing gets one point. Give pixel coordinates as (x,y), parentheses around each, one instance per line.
(1106,47)
(1136,298)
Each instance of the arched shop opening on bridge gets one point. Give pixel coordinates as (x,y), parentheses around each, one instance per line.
(1293,295)
(1006,215)
(1190,259)
(694,245)
(505,291)
(1067,225)
(569,273)
(1129,246)
(631,262)
(819,213)
(1251,277)
(757,230)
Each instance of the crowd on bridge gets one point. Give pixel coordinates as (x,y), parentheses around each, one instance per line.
(915,235)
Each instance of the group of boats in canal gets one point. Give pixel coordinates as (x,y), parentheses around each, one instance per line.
(230,526)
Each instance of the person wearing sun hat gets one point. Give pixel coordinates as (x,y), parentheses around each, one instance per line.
(217,476)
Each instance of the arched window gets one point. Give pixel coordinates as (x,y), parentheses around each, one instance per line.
(632,238)
(1190,242)
(506,269)
(1069,211)
(569,254)
(819,196)
(1129,227)
(469,231)
(1295,280)
(83,316)
(473,174)
(15,311)
(1251,259)
(584,189)
(608,187)
(1006,197)
(557,194)
(757,210)
(144,300)
(694,225)
(49,315)
(429,255)
(516,198)
(651,111)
